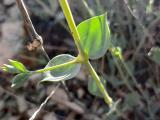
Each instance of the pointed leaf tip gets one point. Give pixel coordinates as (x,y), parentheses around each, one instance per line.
(18,65)
(95,36)
(20,79)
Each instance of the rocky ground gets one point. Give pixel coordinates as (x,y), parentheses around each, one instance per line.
(142,102)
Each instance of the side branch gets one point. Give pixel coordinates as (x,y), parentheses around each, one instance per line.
(37,39)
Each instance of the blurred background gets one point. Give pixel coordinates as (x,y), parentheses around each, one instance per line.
(135,28)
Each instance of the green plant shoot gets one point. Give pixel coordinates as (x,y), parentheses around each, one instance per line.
(92,38)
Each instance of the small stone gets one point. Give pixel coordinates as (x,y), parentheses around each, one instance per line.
(80,93)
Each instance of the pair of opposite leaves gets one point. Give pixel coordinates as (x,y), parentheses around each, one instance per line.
(94,39)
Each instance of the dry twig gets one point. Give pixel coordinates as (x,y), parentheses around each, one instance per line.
(37,41)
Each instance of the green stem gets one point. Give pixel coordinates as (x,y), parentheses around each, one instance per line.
(67,12)
(107,98)
(57,66)
(82,56)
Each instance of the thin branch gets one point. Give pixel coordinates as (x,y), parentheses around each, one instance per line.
(45,53)
(27,20)
(37,41)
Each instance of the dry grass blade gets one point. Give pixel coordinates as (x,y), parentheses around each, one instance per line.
(41,106)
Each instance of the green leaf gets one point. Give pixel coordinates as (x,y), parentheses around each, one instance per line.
(154,54)
(20,79)
(63,73)
(95,36)
(9,68)
(18,65)
(93,88)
